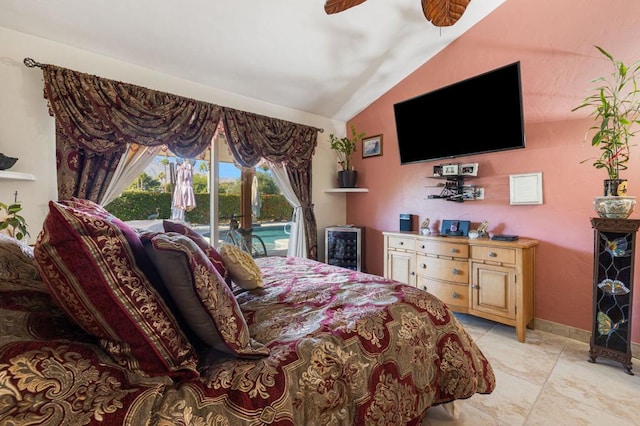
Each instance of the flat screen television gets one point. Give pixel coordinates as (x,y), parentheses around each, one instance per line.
(478,115)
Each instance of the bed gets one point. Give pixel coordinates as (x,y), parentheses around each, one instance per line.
(315,344)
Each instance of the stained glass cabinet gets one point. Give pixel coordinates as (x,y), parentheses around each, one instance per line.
(614,252)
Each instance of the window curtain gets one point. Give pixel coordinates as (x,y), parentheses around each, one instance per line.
(297,237)
(252,137)
(97,118)
(132,163)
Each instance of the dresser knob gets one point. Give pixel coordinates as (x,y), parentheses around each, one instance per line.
(401,243)
(455,295)
(493,254)
(475,286)
(423,265)
(454,250)
(413,273)
(455,271)
(422,246)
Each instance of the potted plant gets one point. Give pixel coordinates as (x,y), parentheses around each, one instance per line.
(11,222)
(345,147)
(615,104)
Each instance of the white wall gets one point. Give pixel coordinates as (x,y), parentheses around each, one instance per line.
(27,130)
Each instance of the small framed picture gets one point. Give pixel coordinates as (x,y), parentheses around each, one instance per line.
(449,169)
(469,169)
(372,146)
(526,188)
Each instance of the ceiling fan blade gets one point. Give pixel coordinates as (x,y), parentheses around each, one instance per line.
(335,6)
(444,13)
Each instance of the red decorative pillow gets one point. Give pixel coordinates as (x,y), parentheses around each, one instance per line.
(208,249)
(200,293)
(89,269)
(132,237)
(135,244)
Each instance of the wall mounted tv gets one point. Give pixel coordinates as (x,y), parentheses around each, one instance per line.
(478,115)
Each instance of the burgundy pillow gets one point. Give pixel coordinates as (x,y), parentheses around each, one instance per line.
(201,294)
(132,237)
(208,249)
(89,269)
(135,243)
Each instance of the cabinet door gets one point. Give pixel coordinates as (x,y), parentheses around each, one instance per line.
(401,266)
(493,290)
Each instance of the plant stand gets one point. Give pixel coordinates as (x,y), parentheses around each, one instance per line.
(614,253)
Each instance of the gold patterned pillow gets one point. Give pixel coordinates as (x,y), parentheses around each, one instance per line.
(90,270)
(242,268)
(18,265)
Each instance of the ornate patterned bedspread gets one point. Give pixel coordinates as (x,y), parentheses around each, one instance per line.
(345,348)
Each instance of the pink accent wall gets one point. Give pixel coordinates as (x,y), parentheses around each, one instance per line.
(554,41)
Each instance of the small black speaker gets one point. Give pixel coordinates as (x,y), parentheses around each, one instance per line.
(406,222)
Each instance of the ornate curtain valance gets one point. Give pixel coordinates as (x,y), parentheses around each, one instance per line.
(105,115)
(97,118)
(253,136)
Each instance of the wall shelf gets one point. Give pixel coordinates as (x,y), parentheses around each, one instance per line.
(5,175)
(454,189)
(347,190)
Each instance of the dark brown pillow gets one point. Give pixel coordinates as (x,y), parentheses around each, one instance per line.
(208,249)
(206,302)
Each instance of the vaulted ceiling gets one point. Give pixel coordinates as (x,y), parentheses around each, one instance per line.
(285,52)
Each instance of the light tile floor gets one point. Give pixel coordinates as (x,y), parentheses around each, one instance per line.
(545,381)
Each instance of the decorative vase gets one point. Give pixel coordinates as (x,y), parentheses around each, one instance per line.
(6,162)
(347,178)
(614,207)
(615,187)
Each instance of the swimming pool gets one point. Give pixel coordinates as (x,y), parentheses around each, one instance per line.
(270,233)
(274,235)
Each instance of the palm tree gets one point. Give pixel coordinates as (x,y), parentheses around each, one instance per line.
(202,167)
(165,162)
(163,177)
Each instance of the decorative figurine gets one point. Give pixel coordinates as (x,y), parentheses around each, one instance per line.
(424,228)
(483,229)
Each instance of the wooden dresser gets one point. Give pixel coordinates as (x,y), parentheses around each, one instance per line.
(481,277)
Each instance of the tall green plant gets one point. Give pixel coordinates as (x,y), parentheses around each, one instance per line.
(615,104)
(13,223)
(345,147)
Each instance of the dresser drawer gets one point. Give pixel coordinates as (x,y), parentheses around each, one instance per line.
(451,294)
(443,269)
(494,254)
(402,243)
(440,248)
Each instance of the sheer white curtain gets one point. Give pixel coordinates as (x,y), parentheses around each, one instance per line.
(135,159)
(297,240)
